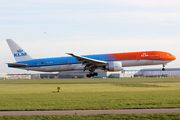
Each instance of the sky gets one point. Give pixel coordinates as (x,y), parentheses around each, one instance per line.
(51,28)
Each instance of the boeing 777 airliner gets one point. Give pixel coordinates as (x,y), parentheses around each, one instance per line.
(107,62)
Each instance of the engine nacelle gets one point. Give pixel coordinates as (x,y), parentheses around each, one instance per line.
(114,66)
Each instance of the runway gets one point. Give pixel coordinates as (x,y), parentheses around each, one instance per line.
(89,112)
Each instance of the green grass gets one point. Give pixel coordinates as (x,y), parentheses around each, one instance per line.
(137,85)
(90,80)
(159,116)
(89,96)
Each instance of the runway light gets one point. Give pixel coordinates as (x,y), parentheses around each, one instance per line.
(58,89)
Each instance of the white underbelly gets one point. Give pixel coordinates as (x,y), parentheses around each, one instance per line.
(129,63)
(56,68)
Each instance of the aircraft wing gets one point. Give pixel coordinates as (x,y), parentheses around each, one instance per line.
(19,64)
(87,61)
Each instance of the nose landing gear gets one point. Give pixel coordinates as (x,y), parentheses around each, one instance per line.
(163,69)
(92,74)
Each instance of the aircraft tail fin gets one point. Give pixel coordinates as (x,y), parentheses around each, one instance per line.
(18,53)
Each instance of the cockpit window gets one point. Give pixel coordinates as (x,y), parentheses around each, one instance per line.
(171,55)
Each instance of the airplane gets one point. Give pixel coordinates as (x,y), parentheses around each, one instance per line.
(107,62)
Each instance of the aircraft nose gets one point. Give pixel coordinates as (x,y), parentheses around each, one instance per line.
(173,57)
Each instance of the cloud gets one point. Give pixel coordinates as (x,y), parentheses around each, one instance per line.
(47,15)
(142,17)
(86,3)
(108,11)
(151,3)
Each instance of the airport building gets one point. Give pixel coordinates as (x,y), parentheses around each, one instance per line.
(101,74)
(169,72)
(19,76)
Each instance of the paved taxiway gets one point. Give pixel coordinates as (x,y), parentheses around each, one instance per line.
(88,112)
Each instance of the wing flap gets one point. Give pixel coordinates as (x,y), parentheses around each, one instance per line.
(85,60)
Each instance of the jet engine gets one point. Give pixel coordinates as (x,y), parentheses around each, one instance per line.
(114,66)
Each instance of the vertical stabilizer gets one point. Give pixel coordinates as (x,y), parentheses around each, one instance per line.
(18,53)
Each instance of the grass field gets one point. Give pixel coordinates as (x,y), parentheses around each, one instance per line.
(90,96)
(90,80)
(160,116)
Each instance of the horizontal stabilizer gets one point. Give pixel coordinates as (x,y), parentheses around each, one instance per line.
(19,64)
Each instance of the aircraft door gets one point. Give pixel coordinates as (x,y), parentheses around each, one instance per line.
(68,62)
(101,59)
(138,57)
(161,56)
(38,63)
(137,60)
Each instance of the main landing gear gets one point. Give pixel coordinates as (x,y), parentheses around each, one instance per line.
(163,69)
(92,74)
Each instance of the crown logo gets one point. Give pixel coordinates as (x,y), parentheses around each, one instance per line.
(19,51)
(144,55)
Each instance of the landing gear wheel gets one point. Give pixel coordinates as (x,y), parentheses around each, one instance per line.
(163,69)
(92,74)
(95,74)
(88,75)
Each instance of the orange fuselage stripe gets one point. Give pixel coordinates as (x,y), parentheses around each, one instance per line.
(146,55)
